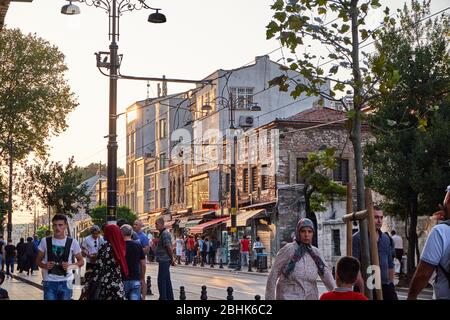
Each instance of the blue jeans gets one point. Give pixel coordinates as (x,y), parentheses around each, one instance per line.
(244,258)
(132,289)
(164,283)
(9,265)
(57,290)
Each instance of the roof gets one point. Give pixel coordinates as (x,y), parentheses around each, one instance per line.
(319,115)
(91,182)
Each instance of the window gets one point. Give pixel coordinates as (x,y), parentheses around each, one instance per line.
(264,177)
(300,164)
(242,97)
(162,198)
(227,182)
(162,161)
(254,179)
(162,127)
(245,181)
(336,243)
(341,171)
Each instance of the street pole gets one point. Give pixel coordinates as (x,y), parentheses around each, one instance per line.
(100,184)
(112,143)
(10,203)
(234,245)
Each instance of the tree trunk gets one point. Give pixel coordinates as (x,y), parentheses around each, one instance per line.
(310,214)
(355,137)
(412,238)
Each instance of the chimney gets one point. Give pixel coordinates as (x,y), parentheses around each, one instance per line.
(164,87)
(159,90)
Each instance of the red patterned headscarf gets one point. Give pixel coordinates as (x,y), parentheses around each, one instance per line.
(114,237)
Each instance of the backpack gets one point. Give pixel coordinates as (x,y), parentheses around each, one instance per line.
(57,269)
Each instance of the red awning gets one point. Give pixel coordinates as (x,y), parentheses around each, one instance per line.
(199,228)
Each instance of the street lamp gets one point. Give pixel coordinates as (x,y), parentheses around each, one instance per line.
(114,8)
(234,244)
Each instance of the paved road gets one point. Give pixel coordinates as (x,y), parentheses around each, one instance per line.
(245,285)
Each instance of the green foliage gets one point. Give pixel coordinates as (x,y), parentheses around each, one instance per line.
(319,187)
(35,98)
(98,215)
(43,231)
(57,186)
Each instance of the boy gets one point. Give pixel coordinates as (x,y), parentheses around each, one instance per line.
(347,269)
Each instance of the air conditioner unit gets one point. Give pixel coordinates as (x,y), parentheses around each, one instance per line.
(246,121)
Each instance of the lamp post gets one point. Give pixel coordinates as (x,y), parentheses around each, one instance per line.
(114,8)
(10,188)
(234,244)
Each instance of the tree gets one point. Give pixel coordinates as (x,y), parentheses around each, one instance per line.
(43,232)
(98,215)
(34,96)
(318,186)
(410,155)
(57,186)
(93,169)
(343,36)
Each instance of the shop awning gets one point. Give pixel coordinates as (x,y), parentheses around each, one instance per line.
(169,224)
(244,216)
(201,227)
(185,223)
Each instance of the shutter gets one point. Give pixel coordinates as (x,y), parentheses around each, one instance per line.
(263,232)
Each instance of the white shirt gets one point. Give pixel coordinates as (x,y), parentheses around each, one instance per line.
(58,248)
(92,245)
(398,241)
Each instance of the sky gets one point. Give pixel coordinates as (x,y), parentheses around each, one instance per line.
(199,37)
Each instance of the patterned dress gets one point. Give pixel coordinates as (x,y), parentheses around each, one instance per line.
(107,274)
(301,284)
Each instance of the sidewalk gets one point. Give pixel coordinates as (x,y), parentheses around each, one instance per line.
(25,287)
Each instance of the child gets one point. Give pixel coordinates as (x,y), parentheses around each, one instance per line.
(3,293)
(347,269)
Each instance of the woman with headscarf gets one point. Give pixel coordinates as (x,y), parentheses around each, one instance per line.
(296,267)
(106,280)
(30,256)
(21,255)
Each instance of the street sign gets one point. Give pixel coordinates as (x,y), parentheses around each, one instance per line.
(233,229)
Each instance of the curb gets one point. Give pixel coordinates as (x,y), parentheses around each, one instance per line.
(31,283)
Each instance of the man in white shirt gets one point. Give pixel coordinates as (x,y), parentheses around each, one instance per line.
(398,246)
(90,246)
(54,257)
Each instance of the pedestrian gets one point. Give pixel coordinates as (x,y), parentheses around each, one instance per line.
(54,257)
(212,250)
(134,282)
(164,257)
(435,258)
(90,247)
(179,248)
(21,255)
(2,254)
(296,268)
(398,246)
(105,282)
(385,254)
(137,227)
(258,247)
(347,269)
(207,245)
(245,251)
(30,256)
(36,242)
(190,244)
(10,254)
(3,293)
(202,248)
(151,253)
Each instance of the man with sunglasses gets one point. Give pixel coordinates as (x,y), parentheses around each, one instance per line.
(90,246)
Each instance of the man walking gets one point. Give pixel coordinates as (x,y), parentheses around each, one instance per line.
(2,255)
(164,257)
(137,226)
(386,258)
(10,254)
(398,246)
(134,254)
(245,249)
(90,246)
(54,256)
